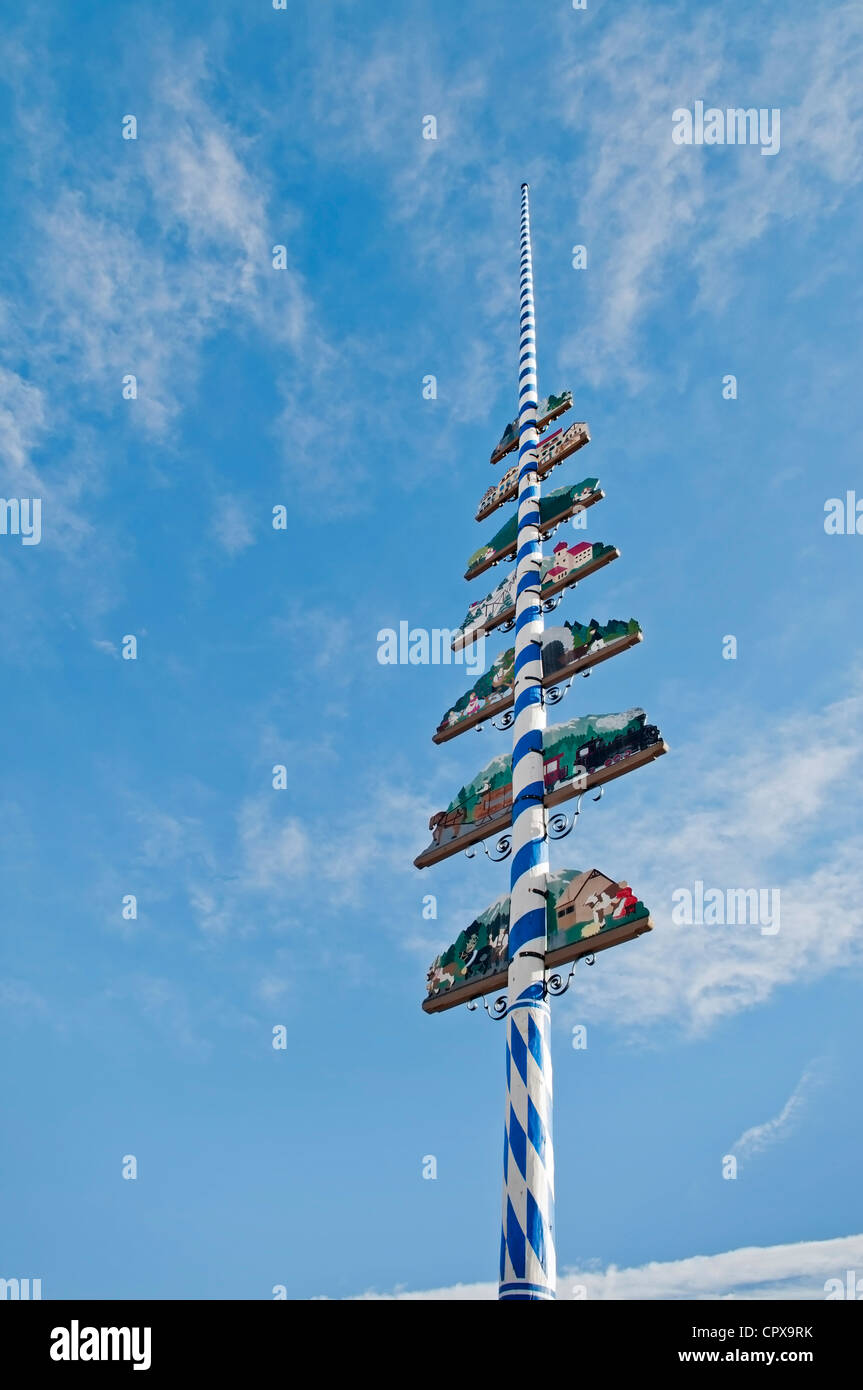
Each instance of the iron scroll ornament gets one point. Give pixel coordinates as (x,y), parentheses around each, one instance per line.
(498,1009)
(552,987)
(559,825)
(555,693)
(501,851)
(555,984)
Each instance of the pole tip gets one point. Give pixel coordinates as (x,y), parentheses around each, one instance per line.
(525,185)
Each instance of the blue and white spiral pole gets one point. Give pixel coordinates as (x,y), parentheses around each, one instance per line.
(527,1257)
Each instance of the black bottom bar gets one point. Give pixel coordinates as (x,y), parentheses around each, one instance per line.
(218,1338)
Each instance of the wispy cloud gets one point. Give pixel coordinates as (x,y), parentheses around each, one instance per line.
(17,997)
(231,526)
(165,1006)
(335,861)
(134,267)
(645,202)
(755,1140)
(781,816)
(796,1271)
(109,648)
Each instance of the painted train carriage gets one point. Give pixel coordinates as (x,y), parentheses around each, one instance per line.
(599,752)
(573,750)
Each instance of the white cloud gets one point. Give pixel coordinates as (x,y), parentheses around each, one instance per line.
(338,859)
(230,524)
(109,648)
(135,266)
(761,1272)
(735,811)
(167,1008)
(273,850)
(19,997)
(271,989)
(22,422)
(645,202)
(167,840)
(755,1140)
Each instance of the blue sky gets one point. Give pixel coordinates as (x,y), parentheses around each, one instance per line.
(302,387)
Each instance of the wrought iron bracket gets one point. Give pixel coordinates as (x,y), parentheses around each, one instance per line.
(498,1010)
(555,693)
(559,825)
(555,985)
(502,850)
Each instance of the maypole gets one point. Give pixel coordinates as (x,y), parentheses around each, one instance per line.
(527,1255)
(516,803)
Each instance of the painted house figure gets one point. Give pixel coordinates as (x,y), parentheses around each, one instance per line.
(566,560)
(547,446)
(587,898)
(486,501)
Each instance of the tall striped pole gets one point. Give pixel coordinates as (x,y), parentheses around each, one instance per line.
(527,1258)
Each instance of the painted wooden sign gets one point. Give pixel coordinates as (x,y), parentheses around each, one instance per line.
(566,650)
(580,754)
(564,567)
(585,913)
(547,410)
(553,449)
(563,502)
